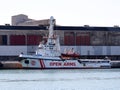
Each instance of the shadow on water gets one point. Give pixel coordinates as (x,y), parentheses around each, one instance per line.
(58,71)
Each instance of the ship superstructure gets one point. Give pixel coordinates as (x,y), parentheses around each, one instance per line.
(48,56)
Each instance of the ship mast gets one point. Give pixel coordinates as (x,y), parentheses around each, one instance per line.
(52,22)
(51,39)
(52,46)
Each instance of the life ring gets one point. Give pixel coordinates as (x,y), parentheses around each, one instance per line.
(33,62)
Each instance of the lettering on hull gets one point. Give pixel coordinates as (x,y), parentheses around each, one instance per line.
(62,64)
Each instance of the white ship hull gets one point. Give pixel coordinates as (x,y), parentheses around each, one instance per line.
(64,64)
(48,56)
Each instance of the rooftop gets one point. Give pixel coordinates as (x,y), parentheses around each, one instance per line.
(90,28)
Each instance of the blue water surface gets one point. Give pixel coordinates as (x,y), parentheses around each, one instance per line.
(72,79)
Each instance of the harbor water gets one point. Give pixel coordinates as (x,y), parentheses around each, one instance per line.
(72,79)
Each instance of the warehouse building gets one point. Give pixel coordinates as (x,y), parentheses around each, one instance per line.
(25,34)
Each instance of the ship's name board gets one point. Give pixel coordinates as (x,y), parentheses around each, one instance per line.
(62,64)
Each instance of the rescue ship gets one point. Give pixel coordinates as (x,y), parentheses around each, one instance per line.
(49,56)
